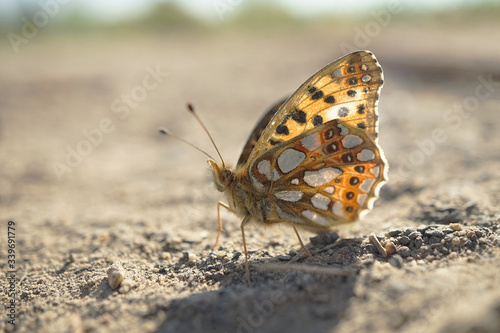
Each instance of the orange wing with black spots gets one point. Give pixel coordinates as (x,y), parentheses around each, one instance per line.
(347,89)
(326,176)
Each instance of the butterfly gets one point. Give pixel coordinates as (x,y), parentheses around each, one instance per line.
(313,160)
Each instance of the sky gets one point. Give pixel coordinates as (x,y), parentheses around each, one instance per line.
(206,8)
(112,10)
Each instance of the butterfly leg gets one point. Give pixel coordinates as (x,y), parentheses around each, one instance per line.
(242,226)
(298,236)
(219,205)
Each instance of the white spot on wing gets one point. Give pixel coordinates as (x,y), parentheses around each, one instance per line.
(367,184)
(291,196)
(338,73)
(366,78)
(351,141)
(315,217)
(335,112)
(290,159)
(311,142)
(343,129)
(337,209)
(329,189)
(264,167)
(361,199)
(365,155)
(320,201)
(375,170)
(321,177)
(295,181)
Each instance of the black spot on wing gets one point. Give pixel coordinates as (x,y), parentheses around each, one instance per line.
(352,81)
(282,129)
(317,95)
(299,116)
(347,158)
(330,99)
(273,142)
(360,169)
(318,120)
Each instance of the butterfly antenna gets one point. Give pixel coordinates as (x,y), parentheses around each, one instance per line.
(167,132)
(191,109)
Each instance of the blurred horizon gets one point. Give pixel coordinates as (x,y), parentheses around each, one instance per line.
(84,15)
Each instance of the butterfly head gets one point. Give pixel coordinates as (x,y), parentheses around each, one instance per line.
(223,175)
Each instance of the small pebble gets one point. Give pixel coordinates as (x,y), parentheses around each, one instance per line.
(418,242)
(165,255)
(434,240)
(116,274)
(423,228)
(390,248)
(324,239)
(455,226)
(396,261)
(369,261)
(394,233)
(434,233)
(404,251)
(455,241)
(404,240)
(125,287)
(414,235)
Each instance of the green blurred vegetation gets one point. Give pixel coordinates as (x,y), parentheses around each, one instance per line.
(254,16)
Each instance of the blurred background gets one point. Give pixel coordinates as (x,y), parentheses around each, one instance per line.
(84,86)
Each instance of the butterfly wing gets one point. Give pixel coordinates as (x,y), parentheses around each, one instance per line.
(328,175)
(257,132)
(318,159)
(346,89)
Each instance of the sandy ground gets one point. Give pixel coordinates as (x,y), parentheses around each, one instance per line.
(143,205)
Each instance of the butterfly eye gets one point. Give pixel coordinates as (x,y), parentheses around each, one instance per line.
(226,177)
